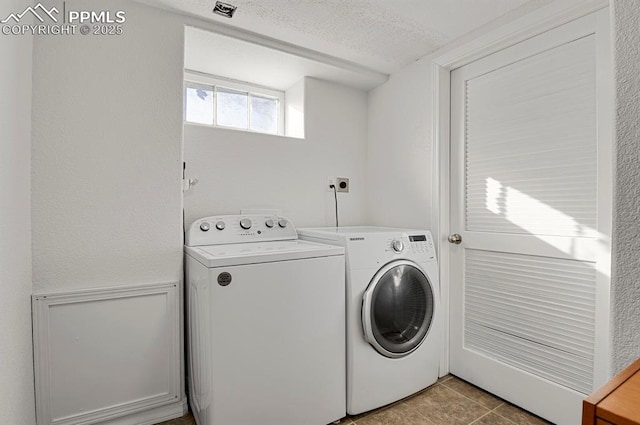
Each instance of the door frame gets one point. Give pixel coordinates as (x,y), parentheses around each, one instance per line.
(516,31)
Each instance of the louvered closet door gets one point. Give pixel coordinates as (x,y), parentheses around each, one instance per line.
(530,197)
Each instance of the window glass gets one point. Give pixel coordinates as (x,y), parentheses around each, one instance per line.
(232,108)
(199,104)
(215,101)
(264,114)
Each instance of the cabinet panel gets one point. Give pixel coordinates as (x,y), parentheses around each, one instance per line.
(107,353)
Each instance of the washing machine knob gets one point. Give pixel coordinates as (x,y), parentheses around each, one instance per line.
(397,245)
(220,225)
(269,223)
(245,223)
(205,226)
(282,223)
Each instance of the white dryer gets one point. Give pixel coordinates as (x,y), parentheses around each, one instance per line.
(266,323)
(393,324)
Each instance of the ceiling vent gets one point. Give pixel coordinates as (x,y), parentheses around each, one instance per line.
(225,9)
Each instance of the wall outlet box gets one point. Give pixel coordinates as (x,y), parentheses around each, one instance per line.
(342,184)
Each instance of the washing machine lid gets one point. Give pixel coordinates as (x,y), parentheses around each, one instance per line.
(260,252)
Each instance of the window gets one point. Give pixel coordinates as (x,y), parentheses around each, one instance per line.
(224,103)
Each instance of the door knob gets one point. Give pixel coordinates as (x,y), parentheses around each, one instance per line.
(455,238)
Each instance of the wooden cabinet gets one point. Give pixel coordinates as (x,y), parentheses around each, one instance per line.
(617,402)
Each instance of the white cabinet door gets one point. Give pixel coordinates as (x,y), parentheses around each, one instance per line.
(108,355)
(530,198)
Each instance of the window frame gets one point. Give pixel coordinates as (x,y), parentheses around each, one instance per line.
(198,79)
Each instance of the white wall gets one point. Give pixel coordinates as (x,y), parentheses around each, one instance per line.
(626,223)
(294,110)
(399,159)
(400,149)
(107,130)
(16,367)
(246,170)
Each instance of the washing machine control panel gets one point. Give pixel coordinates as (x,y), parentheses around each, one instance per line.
(227,229)
(421,244)
(414,245)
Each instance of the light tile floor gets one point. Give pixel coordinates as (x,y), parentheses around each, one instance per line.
(450,401)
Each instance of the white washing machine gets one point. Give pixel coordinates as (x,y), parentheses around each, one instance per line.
(266,323)
(393,324)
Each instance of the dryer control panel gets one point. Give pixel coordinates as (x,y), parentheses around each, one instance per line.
(421,243)
(412,245)
(373,246)
(229,229)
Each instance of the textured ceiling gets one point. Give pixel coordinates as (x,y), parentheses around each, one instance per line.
(244,61)
(383,35)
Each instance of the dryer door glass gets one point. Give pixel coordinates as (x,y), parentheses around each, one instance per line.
(398,308)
